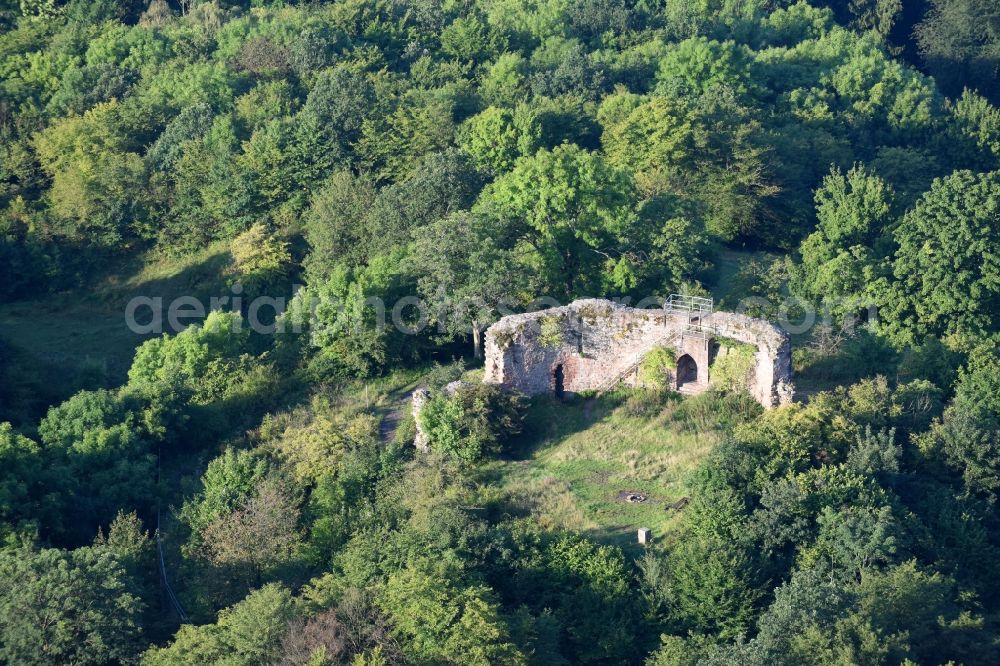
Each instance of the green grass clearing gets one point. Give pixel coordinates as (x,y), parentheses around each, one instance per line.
(577,457)
(58,344)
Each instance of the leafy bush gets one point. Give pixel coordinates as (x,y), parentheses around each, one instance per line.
(654,371)
(246,633)
(442,375)
(550,331)
(474,422)
(646,403)
(712,409)
(732,367)
(259,257)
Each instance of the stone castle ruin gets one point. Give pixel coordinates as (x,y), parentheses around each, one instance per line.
(595,345)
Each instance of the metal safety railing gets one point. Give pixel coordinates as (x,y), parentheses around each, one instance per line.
(689,304)
(695,308)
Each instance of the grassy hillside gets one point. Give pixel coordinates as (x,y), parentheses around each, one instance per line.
(577,459)
(53,346)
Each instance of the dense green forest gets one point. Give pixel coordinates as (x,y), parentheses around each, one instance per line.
(226,494)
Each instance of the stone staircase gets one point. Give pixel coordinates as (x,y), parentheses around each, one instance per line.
(618,377)
(692,388)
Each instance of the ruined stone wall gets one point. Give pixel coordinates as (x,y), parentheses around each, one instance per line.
(591,339)
(595,341)
(771,382)
(418,401)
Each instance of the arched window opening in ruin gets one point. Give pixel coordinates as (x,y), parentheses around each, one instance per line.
(687,371)
(558,376)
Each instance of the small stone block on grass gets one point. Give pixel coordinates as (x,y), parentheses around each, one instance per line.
(645,535)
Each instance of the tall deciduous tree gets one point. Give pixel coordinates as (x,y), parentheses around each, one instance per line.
(26,496)
(97,181)
(463,275)
(74,607)
(960,42)
(568,209)
(440,620)
(335,223)
(848,249)
(494,139)
(261,533)
(329,123)
(245,634)
(948,264)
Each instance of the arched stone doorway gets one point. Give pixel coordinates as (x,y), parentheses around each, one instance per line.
(687,371)
(558,380)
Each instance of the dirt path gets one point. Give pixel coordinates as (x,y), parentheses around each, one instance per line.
(392,418)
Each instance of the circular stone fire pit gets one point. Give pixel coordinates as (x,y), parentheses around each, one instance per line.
(632,497)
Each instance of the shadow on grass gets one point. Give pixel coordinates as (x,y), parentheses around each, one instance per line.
(549,420)
(59,344)
(576,458)
(624,536)
(202,275)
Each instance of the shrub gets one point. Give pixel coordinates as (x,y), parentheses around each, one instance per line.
(655,368)
(259,257)
(731,369)
(550,334)
(473,422)
(646,403)
(442,375)
(713,410)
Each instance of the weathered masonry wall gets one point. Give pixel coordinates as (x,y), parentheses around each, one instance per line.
(593,344)
(771,380)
